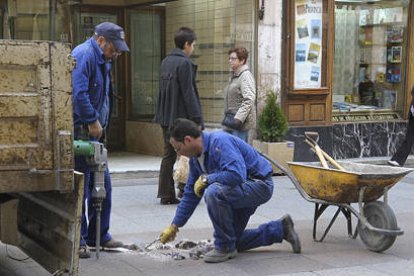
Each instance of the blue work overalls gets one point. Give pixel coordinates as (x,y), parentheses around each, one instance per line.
(239,180)
(91,92)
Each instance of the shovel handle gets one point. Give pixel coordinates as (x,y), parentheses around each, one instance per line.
(333,162)
(325,155)
(320,156)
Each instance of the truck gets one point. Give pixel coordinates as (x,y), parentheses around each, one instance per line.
(40,192)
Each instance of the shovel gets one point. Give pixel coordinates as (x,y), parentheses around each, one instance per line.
(312,140)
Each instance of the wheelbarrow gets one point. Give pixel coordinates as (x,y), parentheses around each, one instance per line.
(345,183)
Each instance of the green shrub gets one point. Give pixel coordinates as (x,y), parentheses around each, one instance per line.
(272,124)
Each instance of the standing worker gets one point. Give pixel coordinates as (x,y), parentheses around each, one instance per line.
(235,180)
(92,90)
(178,98)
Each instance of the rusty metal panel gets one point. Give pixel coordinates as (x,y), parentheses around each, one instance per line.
(8,222)
(61,75)
(36,127)
(36,153)
(49,227)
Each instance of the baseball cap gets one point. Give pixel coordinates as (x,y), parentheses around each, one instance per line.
(113,33)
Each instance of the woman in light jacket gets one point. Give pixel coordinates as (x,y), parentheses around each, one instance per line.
(239,96)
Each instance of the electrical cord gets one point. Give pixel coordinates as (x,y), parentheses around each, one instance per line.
(15,258)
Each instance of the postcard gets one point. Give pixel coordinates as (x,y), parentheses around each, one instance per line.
(396,52)
(302,28)
(315,72)
(300,52)
(313,54)
(316,30)
(301,9)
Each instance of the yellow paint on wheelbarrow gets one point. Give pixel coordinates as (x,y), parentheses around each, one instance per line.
(343,186)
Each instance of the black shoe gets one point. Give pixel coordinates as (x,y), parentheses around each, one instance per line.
(169,201)
(289,234)
(84,252)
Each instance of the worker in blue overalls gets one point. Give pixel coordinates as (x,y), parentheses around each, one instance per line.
(92,92)
(234,180)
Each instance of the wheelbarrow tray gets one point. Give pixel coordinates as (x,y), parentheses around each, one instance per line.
(336,186)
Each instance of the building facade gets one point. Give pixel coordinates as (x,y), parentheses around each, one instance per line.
(340,67)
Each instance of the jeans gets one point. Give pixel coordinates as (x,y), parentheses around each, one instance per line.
(230,208)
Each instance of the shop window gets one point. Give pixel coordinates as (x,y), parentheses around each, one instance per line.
(369,59)
(307,61)
(310,45)
(146,55)
(219,25)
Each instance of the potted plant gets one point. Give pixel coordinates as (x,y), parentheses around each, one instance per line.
(272,128)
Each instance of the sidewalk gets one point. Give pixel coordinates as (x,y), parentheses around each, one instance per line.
(137,217)
(121,162)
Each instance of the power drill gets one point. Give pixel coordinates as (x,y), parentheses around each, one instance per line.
(96,157)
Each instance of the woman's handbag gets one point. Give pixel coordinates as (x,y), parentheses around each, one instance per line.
(229,121)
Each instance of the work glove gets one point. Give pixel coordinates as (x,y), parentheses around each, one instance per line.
(200,185)
(168,234)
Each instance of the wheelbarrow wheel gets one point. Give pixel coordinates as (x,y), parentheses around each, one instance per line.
(379,215)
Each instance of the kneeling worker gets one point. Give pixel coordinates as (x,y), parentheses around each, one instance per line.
(235,180)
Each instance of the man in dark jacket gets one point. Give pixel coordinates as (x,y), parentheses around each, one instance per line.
(178,98)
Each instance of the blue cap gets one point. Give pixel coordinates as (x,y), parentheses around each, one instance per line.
(112,33)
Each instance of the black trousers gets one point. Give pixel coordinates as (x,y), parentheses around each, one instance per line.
(166,181)
(405,148)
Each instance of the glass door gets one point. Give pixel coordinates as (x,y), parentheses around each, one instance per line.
(146,56)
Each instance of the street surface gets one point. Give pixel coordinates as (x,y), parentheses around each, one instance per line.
(138,218)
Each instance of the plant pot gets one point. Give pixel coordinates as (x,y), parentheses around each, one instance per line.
(281,152)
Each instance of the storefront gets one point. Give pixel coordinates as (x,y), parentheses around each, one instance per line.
(347,75)
(341,67)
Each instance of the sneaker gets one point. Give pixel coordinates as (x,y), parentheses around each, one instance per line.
(169,201)
(84,252)
(393,163)
(216,256)
(289,234)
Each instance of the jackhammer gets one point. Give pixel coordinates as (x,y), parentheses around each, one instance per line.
(96,157)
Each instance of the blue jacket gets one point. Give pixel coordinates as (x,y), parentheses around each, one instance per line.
(91,84)
(227,160)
